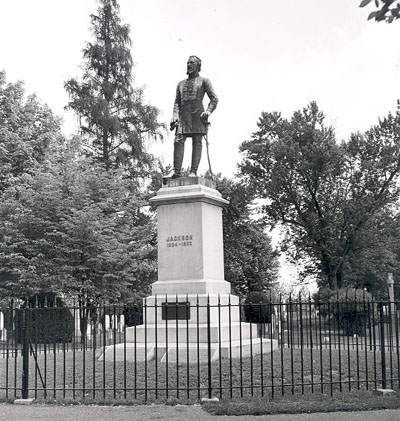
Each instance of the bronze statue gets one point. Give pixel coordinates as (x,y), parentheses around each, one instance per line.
(189,117)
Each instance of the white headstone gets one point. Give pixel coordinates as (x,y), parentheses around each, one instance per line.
(106,322)
(1,320)
(89,330)
(114,321)
(121,322)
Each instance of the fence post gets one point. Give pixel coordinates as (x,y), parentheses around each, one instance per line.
(209,348)
(383,356)
(25,353)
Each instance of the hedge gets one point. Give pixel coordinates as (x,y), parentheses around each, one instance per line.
(48,320)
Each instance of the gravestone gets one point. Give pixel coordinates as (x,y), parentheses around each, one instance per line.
(2,330)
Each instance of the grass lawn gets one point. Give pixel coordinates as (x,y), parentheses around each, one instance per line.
(357,400)
(284,373)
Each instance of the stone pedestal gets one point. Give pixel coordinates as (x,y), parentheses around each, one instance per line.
(190,244)
(190,273)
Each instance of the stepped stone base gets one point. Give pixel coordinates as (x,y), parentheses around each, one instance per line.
(184,341)
(189,352)
(215,318)
(206,323)
(191,333)
(220,308)
(192,286)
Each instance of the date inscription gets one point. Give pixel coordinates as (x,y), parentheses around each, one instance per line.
(179,240)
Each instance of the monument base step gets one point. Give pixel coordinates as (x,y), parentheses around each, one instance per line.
(190,287)
(191,353)
(182,332)
(195,308)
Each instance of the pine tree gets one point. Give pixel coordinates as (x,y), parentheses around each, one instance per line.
(113,116)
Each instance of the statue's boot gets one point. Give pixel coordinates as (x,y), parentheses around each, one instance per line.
(196,155)
(179,149)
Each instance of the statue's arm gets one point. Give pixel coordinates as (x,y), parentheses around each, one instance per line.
(177,105)
(212,95)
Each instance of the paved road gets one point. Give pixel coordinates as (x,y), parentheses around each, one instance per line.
(10,412)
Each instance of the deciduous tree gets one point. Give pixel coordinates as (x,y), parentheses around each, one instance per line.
(386,10)
(326,195)
(27,127)
(75,228)
(251,263)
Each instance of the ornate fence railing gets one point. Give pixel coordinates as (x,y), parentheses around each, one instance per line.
(107,352)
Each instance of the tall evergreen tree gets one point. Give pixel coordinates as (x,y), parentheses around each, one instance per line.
(113,116)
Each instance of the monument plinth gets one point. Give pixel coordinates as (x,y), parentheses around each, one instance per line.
(190,242)
(191,303)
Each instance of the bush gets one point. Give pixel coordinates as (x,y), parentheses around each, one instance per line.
(48,319)
(258,308)
(350,308)
(133,312)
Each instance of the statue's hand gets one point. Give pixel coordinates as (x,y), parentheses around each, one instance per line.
(204,116)
(173,125)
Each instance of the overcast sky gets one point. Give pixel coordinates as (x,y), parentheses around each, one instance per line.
(261,55)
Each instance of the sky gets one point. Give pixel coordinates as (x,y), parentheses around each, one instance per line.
(260,55)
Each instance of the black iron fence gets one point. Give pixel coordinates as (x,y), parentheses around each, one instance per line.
(194,347)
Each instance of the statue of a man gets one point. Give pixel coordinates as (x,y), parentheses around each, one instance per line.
(189,117)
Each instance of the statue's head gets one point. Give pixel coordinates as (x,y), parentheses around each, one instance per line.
(193,65)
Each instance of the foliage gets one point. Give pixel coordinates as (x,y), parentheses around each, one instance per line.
(113,116)
(328,197)
(27,128)
(350,308)
(395,248)
(387,10)
(258,308)
(251,263)
(76,228)
(133,312)
(368,268)
(48,319)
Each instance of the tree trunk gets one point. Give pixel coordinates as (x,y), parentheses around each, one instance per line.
(332,280)
(339,277)
(106,154)
(329,271)
(83,320)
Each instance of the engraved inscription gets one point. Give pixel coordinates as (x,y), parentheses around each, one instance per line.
(179,240)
